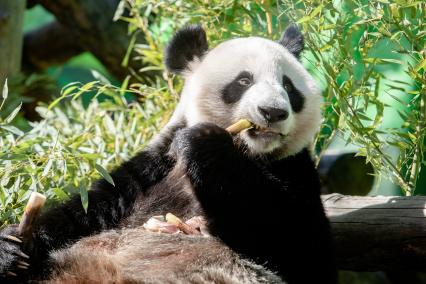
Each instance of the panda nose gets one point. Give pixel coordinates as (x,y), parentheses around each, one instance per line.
(273,114)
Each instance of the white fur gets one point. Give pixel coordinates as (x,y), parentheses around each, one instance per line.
(268,61)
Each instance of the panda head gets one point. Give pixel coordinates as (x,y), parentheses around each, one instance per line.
(253,78)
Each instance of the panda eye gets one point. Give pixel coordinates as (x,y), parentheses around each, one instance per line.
(288,87)
(244,82)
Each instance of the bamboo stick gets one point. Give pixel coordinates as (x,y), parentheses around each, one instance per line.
(32,210)
(239,126)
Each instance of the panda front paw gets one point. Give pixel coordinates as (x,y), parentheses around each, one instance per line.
(14,263)
(203,140)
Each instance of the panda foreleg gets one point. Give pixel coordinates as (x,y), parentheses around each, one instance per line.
(236,195)
(253,211)
(108,204)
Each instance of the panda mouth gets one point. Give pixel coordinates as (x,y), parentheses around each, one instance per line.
(257,130)
(252,129)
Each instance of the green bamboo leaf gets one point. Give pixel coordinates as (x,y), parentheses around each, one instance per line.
(363,116)
(101,78)
(124,85)
(422,64)
(13,114)
(5,90)
(391,60)
(12,129)
(84,197)
(125,61)
(119,11)
(55,102)
(316,11)
(304,19)
(88,86)
(60,193)
(68,90)
(47,168)
(104,174)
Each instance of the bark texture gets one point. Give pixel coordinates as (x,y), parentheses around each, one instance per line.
(378,233)
(81,25)
(11,17)
(49,45)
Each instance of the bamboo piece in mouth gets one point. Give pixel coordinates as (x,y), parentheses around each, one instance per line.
(239,126)
(32,210)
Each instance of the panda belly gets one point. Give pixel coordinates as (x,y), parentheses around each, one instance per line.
(173,194)
(131,254)
(140,256)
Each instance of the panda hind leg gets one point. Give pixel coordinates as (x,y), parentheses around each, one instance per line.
(88,261)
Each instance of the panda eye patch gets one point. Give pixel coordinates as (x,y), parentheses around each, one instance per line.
(234,90)
(297,100)
(287,84)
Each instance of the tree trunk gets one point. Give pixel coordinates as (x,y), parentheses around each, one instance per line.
(91,25)
(378,233)
(49,45)
(11,18)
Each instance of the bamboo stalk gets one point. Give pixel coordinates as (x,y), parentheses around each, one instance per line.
(32,210)
(239,126)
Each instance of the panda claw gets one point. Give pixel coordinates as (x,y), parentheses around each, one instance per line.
(23,263)
(13,239)
(10,273)
(22,267)
(23,255)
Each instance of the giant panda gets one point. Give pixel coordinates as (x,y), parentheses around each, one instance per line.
(258,190)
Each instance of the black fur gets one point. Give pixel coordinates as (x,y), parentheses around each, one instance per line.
(297,100)
(244,200)
(187,43)
(292,39)
(9,251)
(233,91)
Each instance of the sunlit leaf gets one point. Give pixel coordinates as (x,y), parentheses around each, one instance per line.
(12,129)
(13,114)
(84,196)
(98,76)
(104,174)
(5,91)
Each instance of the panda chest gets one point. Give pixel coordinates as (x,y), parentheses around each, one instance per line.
(173,194)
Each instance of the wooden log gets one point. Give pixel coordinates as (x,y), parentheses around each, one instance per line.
(378,233)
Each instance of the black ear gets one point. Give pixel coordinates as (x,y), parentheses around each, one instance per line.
(188,43)
(292,39)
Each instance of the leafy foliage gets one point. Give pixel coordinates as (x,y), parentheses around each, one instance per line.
(351,46)
(73,145)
